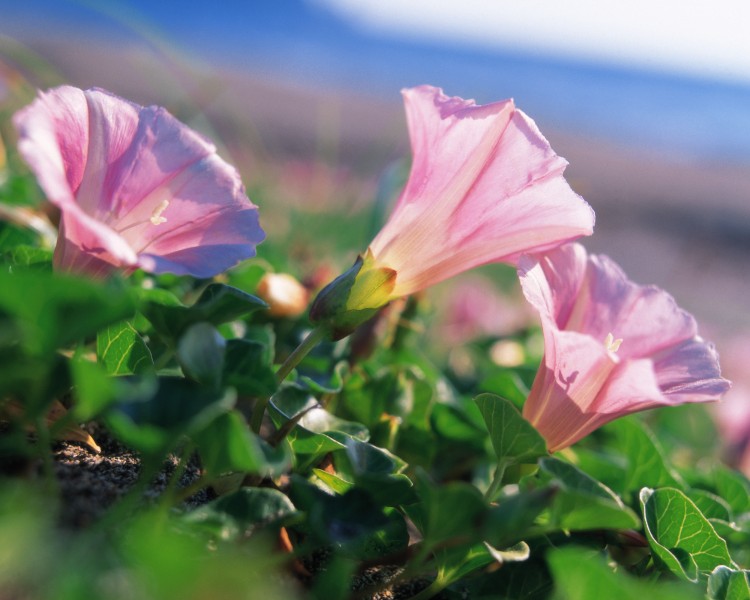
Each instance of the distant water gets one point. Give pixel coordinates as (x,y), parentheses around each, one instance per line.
(687,118)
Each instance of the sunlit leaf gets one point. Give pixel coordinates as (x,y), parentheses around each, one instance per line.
(122,351)
(513,437)
(729,584)
(681,538)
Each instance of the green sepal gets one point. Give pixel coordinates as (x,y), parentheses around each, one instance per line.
(354,297)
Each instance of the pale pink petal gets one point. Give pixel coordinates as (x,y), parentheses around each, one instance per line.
(594,296)
(659,358)
(136,187)
(631,387)
(53,139)
(485,186)
(574,370)
(575,367)
(689,372)
(112,124)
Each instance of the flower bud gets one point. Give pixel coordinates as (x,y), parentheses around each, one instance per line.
(286,297)
(354,296)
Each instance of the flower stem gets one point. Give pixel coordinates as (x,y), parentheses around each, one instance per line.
(497,480)
(312,339)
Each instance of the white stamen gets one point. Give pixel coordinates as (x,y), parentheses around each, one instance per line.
(611,344)
(156,217)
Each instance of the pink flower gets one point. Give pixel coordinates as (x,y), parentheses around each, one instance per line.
(611,347)
(484,186)
(136,187)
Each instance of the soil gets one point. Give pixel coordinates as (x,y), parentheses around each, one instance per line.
(89,483)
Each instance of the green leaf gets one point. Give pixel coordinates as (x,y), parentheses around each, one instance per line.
(53,310)
(514,516)
(507,384)
(711,505)
(734,488)
(227,445)
(232,516)
(528,580)
(729,584)
(514,439)
(585,503)
(94,390)
(453,510)
(646,465)
(681,538)
(158,413)
(122,351)
(334,582)
(248,368)
(458,423)
(453,564)
(376,471)
(200,352)
(217,304)
(351,521)
(368,459)
(583,575)
(314,431)
(323,382)
(334,482)
(32,256)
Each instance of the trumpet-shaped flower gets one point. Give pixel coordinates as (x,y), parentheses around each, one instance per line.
(485,186)
(135,186)
(611,347)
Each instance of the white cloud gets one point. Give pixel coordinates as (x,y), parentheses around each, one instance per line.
(694,36)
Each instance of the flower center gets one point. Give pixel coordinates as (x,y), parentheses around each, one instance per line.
(156,217)
(612,344)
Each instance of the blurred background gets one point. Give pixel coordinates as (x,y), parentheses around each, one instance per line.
(648,101)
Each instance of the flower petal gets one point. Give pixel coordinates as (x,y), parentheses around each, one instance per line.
(484,186)
(136,186)
(585,302)
(689,372)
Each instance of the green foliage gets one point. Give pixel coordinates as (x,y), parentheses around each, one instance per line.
(582,575)
(682,539)
(512,437)
(122,350)
(378,453)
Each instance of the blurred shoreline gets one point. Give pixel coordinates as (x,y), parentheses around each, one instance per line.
(681,224)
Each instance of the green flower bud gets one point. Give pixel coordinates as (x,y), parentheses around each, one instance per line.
(354,296)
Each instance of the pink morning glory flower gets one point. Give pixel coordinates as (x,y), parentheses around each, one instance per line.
(485,186)
(136,187)
(611,347)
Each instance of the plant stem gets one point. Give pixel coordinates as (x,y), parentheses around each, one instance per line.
(312,339)
(497,481)
(300,352)
(44,445)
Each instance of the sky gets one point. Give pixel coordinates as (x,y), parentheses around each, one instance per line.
(667,76)
(696,37)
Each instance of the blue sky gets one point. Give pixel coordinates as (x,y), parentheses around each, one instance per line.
(640,76)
